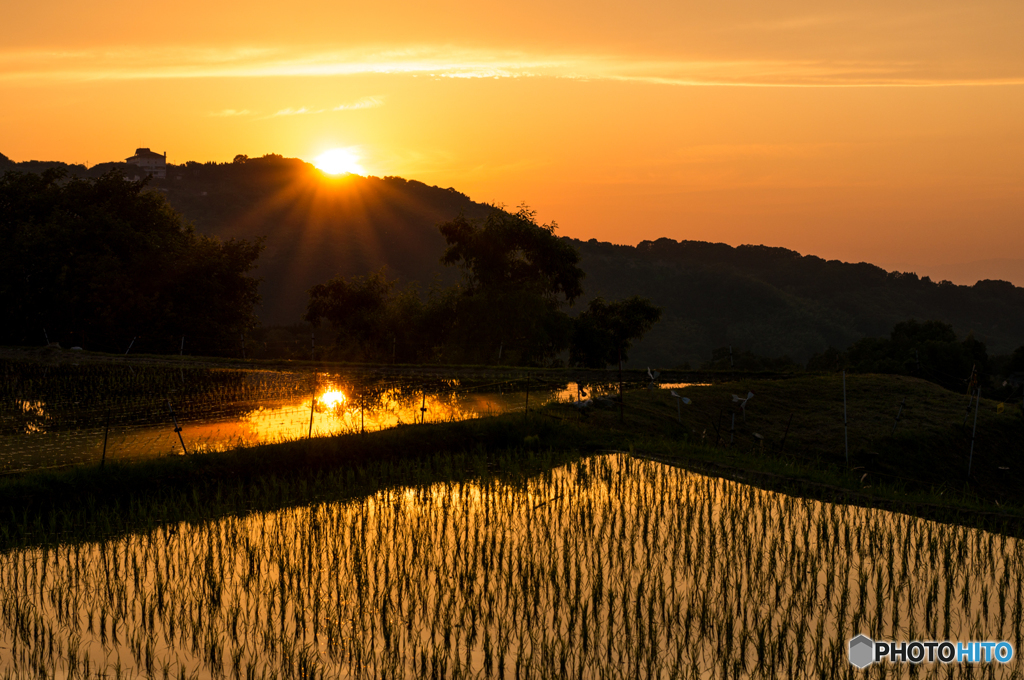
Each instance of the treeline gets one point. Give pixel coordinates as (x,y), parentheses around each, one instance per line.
(72,169)
(317,227)
(775,302)
(932,351)
(771,302)
(105,265)
(509,309)
(313,226)
(929,350)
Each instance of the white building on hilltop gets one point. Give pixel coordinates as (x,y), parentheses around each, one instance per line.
(149,162)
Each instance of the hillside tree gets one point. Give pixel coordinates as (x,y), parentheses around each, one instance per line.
(98,263)
(604,332)
(517,276)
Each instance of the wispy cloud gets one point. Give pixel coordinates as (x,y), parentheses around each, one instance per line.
(294,112)
(449,62)
(362,103)
(226,113)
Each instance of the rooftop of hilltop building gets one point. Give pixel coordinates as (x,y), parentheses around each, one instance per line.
(147,154)
(149,161)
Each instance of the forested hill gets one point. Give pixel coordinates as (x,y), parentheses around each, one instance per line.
(771,301)
(774,302)
(317,227)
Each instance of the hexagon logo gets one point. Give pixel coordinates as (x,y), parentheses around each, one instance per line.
(862,651)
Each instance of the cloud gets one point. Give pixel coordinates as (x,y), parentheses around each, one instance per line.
(363,103)
(230,112)
(293,112)
(451,62)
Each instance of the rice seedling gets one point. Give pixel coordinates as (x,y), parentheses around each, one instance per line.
(607,567)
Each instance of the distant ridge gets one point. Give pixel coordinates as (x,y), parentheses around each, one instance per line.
(318,227)
(775,301)
(772,301)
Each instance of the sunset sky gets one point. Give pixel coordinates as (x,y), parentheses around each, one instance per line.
(876,131)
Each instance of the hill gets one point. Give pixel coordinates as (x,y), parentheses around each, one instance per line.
(317,227)
(772,301)
(775,301)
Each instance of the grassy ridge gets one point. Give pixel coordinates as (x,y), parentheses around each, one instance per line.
(920,469)
(929,448)
(84,503)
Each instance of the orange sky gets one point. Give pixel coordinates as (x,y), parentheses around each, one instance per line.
(879,131)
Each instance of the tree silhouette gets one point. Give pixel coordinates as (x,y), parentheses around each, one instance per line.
(517,276)
(605,331)
(98,262)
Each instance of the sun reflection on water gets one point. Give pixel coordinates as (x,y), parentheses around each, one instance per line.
(332,398)
(337,405)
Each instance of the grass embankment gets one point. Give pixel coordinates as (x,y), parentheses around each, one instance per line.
(793,439)
(921,469)
(927,452)
(31,361)
(90,502)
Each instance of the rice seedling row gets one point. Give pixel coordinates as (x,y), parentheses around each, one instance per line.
(608,567)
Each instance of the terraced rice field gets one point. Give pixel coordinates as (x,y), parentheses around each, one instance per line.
(65,415)
(605,568)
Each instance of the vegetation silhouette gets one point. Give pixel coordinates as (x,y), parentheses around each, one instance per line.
(517,277)
(371,320)
(775,302)
(603,333)
(99,262)
(928,350)
(772,302)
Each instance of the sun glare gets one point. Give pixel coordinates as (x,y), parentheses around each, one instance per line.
(338,161)
(333,398)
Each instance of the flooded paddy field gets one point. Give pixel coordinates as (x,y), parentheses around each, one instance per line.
(607,567)
(63,415)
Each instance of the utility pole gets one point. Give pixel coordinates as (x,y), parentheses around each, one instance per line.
(177,428)
(970,460)
(846,428)
(622,413)
(898,416)
(106,431)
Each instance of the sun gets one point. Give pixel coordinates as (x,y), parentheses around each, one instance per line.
(338,161)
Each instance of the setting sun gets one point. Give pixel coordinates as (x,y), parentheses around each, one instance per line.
(338,161)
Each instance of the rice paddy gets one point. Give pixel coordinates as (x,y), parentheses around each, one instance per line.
(64,415)
(607,567)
